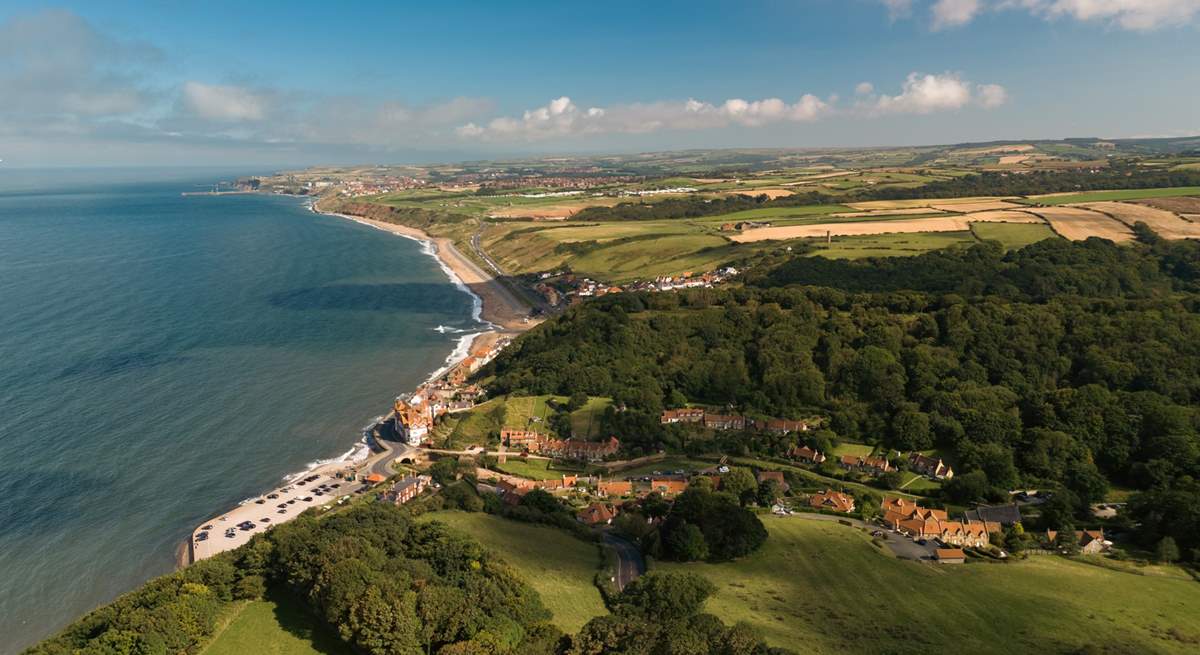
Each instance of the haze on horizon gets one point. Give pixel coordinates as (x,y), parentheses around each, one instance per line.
(127,83)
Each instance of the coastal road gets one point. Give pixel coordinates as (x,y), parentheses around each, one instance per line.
(630,563)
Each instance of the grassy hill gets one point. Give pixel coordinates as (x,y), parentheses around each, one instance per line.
(558,566)
(823,588)
(277,625)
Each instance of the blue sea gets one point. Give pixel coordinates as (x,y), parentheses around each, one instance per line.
(164,357)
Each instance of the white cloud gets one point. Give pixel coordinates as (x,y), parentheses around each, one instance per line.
(924,93)
(953,13)
(898,8)
(222,103)
(563,118)
(1141,15)
(864,88)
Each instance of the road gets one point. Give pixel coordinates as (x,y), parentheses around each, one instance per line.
(900,545)
(630,563)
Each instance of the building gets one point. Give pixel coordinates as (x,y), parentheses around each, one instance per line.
(668,487)
(872,465)
(540,444)
(831,500)
(776,476)
(684,415)
(523,439)
(614,488)
(806,454)
(911,519)
(950,556)
(933,467)
(1091,542)
(597,514)
(414,419)
(724,422)
(1002,514)
(406,489)
(375,478)
(782,426)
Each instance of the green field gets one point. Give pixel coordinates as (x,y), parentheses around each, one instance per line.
(536,469)
(472,428)
(665,465)
(560,567)
(819,587)
(1127,194)
(847,448)
(891,245)
(279,625)
(1012,235)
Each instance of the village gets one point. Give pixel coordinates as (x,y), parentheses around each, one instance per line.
(562,289)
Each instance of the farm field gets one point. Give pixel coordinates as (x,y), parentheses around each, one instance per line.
(954,223)
(1013,235)
(535,469)
(1167,224)
(558,566)
(846,448)
(278,625)
(892,245)
(1078,224)
(819,587)
(1124,194)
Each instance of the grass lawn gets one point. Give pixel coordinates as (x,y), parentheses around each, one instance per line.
(536,469)
(846,448)
(666,465)
(558,566)
(524,413)
(1012,235)
(819,587)
(585,421)
(819,479)
(1122,194)
(918,483)
(279,625)
(890,245)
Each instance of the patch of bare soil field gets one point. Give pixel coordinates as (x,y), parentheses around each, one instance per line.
(902,226)
(889,212)
(822,176)
(927,202)
(1077,224)
(770,193)
(1008,160)
(1167,224)
(967,207)
(1024,147)
(1180,205)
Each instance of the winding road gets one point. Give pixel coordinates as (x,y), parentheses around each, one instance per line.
(630,563)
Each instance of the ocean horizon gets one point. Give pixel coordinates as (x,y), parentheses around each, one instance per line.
(164,357)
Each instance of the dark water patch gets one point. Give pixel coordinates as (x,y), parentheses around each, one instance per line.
(407,297)
(39,501)
(107,365)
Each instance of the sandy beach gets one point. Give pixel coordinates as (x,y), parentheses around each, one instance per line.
(499,306)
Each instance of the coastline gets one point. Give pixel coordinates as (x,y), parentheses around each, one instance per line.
(495,304)
(497,310)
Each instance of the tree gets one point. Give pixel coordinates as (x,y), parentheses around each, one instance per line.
(685,542)
(910,430)
(740,483)
(967,487)
(769,492)
(665,596)
(1166,551)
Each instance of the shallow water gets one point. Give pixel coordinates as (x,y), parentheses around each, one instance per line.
(163,357)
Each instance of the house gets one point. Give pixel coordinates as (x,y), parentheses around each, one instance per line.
(1002,514)
(614,488)
(872,465)
(831,500)
(932,467)
(724,422)
(668,487)
(781,426)
(806,454)
(597,514)
(777,476)
(406,489)
(684,415)
(534,442)
(375,478)
(1091,542)
(523,439)
(950,556)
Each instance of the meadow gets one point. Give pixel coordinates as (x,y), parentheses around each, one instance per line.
(1124,194)
(473,427)
(278,625)
(823,588)
(1012,235)
(560,567)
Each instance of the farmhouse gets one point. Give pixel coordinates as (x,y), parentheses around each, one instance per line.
(782,426)
(806,454)
(950,556)
(1091,542)
(597,514)
(723,422)
(872,465)
(933,467)
(406,489)
(831,500)
(685,415)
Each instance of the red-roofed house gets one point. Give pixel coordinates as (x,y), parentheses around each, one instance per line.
(933,467)
(597,514)
(832,500)
(806,454)
(684,415)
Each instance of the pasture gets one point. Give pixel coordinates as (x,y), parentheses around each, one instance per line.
(1124,194)
(819,587)
(558,566)
(1012,235)
(277,625)
(1077,224)
(473,427)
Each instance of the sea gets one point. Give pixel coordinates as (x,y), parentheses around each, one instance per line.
(164,357)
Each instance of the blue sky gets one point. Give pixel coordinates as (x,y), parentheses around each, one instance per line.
(288,83)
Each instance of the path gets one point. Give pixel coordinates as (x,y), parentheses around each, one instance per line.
(630,563)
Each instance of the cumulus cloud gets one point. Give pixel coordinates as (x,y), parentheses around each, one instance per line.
(953,13)
(561,117)
(924,93)
(864,88)
(1140,15)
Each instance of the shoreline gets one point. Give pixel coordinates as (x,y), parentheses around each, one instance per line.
(498,313)
(495,304)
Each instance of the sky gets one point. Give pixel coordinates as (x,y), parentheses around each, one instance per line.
(294,83)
